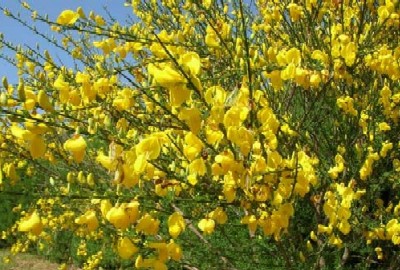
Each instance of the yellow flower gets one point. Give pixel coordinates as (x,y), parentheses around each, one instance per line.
(198,167)
(35,143)
(251,222)
(315,79)
(132,210)
(313,236)
(44,101)
(30,101)
(176,224)
(293,56)
(118,217)
(211,38)
(36,128)
(89,219)
(213,136)
(383,126)
(162,250)
(192,179)
(20,133)
(193,146)
(191,61)
(379,253)
(393,231)
(344,227)
(348,52)
(126,249)
(320,56)
(235,116)
(229,193)
(106,161)
(68,17)
(207,3)
(174,251)
(219,215)
(386,146)
(335,240)
(383,13)
(338,168)
(289,72)
(37,147)
(192,117)
(31,224)
(241,137)
(150,146)
(207,225)
(295,11)
(81,13)
(165,75)
(324,229)
(148,225)
(140,163)
(77,147)
(178,95)
(144,263)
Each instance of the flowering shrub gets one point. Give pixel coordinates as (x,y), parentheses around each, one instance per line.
(205,119)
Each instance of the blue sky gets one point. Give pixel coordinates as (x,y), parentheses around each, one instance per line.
(17,34)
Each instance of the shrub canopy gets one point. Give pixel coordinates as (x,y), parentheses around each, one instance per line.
(208,135)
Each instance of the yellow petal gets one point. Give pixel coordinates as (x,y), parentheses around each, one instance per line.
(37,147)
(176,224)
(21,133)
(126,249)
(132,210)
(165,75)
(29,104)
(150,146)
(178,95)
(105,206)
(77,146)
(118,217)
(174,251)
(106,162)
(44,101)
(192,117)
(140,163)
(31,223)
(192,61)
(68,17)
(207,225)
(36,128)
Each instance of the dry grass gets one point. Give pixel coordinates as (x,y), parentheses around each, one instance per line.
(27,262)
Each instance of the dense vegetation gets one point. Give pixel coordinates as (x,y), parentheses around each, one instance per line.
(207,135)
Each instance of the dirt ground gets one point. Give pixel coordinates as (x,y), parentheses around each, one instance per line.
(27,262)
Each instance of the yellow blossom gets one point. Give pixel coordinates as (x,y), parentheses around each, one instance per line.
(118,217)
(89,219)
(176,224)
(207,226)
(77,146)
(148,225)
(219,215)
(126,249)
(191,61)
(174,251)
(165,75)
(383,126)
(68,17)
(31,223)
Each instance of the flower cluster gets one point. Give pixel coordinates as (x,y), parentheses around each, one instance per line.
(273,118)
